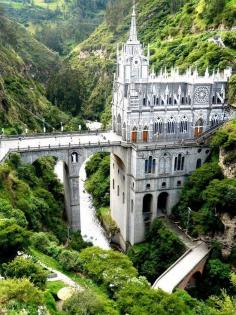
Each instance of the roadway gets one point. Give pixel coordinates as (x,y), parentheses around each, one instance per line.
(54,140)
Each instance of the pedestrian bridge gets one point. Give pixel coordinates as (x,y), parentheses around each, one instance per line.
(185,270)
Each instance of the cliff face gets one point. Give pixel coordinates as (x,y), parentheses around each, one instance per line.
(228,169)
(25,66)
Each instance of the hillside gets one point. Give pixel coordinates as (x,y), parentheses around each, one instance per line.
(59,24)
(178,34)
(24,63)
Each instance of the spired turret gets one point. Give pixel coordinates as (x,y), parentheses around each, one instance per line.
(150,107)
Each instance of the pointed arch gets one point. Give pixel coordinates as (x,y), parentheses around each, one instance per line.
(198,128)
(145,134)
(171,126)
(214,120)
(184,125)
(119,132)
(158,126)
(134,134)
(124,131)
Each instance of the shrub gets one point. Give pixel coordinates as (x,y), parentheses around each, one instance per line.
(25,268)
(70,260)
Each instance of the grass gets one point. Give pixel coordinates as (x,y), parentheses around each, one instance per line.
(52,263)
(55,286)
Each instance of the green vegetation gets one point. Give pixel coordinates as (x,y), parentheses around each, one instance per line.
(206,192)
(98,179)
(160,250)
(22,267)
(19,294)
(59,24)
(24,63)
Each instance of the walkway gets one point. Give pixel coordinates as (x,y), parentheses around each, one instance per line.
(60,277)
(187,241)
(176,273)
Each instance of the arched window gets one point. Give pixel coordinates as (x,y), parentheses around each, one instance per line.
(214,120)
(132,206)
(163,185)
(119,125)
(158,126)
(150,165)
(184,125)
(124,131)
(114,123)
(199,163)
(198,128)
(123,197)
(179,183)
(118,190)
(165,165)
(134,135)
(171,126)
(145,134)
(113,184)
(74,157)
(179,163)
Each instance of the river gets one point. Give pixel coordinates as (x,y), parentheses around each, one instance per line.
(91,229)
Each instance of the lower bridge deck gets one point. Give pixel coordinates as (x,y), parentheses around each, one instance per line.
(182,268)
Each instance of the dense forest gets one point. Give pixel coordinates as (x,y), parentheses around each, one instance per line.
(57,58)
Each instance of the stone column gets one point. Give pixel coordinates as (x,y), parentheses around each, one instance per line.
(75,203)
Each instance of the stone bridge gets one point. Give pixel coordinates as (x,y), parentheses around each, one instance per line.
(73,149)
(185,270)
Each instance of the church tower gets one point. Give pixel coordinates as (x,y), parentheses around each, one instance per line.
(132,68)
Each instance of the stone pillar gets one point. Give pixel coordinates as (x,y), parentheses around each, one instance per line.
(75,203)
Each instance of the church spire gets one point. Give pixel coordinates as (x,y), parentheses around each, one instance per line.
(133,37)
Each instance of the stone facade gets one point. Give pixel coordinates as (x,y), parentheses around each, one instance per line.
(161,116)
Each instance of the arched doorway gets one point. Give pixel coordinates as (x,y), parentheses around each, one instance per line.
(162,203)
(147,210)
(198,128)
(199,163)
(134,135)
(145,134)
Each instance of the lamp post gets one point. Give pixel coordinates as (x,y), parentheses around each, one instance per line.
(44,127)
(188,219)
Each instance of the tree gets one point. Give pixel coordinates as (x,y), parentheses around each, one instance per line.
(70,260)
(19,294)
(25,268)
(113,269)
(12,238)
(213,8)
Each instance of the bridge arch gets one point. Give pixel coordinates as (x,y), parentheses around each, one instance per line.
(62,171)
(73,157)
